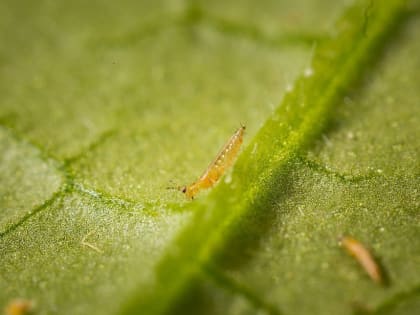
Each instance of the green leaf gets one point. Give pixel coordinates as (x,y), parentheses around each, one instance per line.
(101,110)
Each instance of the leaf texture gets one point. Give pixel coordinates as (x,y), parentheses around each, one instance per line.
(100,111)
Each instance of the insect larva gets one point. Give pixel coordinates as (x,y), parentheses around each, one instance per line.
(19,307)
(90,245)
(218,166)
(363,256)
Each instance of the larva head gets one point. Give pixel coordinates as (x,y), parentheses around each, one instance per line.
(189,191)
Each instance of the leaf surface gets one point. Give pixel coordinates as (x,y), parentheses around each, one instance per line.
(101,111)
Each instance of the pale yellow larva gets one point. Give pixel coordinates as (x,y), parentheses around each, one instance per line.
(19,307)
(364,257)
(218,166)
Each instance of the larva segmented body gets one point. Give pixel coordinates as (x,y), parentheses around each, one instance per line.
(218,167)
(364,257)
(19,307)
